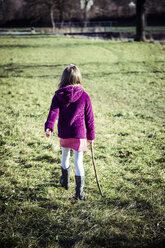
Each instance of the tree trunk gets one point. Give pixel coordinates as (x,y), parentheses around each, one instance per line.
(85,13)
(3,12)
(61,15)
(52,19)
(140,20)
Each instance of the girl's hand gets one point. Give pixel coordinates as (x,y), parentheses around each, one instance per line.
(90,142)
(48,132)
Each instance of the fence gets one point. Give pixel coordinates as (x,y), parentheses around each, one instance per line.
(86,27)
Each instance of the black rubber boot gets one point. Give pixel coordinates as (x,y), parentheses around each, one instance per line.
(65,178)
(80,181)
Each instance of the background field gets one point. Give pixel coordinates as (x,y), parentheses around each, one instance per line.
(126,84)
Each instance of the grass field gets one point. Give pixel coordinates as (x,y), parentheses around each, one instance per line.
(126,83)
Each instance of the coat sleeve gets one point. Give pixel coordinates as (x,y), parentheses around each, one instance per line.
(53,114)
(89,120)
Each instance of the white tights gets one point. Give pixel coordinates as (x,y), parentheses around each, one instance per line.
(78,161)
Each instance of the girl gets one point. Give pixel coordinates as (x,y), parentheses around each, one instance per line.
(75,124)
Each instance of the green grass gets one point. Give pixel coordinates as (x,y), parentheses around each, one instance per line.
(126,84)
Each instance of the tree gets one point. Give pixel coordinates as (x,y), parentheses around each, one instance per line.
(140,20)
(10,9)
(66,9)
(55,9)
(39,8)
(61,8)
(85,6)
(2,11)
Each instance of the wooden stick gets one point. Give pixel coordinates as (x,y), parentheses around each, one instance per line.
(94,166)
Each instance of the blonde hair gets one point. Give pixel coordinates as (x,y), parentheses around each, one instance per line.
(70,76)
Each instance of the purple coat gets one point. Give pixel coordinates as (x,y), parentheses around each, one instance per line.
(74,108)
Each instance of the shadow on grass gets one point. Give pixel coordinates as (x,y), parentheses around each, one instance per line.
(103,74)
(18,46)
(17,66)
(48,158)
(48,45)
(28,226)
(17,70)
(26,221)
(18,37)
(29,220)
(20,66)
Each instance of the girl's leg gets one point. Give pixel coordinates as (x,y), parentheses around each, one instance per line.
(80,174)
(78,162)
(65,158)
(64,179)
